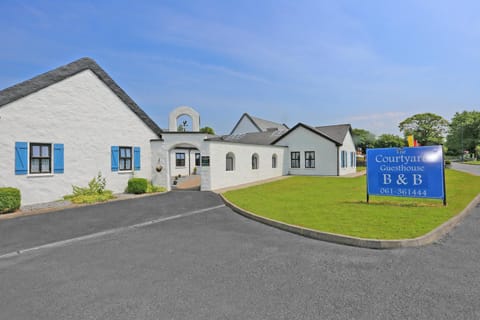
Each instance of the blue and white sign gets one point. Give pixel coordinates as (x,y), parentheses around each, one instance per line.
(406,172)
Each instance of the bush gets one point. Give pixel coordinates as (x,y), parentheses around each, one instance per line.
(95,186)
(95,192)
(90,198)
(9,199)
(151,188)
(137,185)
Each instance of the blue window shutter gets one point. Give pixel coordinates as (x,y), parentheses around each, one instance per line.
(136,158)
(114,158)
(21,157)
(58,158)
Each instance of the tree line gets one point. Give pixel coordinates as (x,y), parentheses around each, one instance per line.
(460,134)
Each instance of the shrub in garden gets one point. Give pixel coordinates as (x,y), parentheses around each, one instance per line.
(9,199)
(137,185)
(95,192)
(151,188)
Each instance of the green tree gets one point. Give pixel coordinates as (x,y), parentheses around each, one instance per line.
(427,128)
(363,139)
(389,141)
(207,130)
(464,132)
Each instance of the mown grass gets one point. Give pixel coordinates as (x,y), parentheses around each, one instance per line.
(475,162)
(361,168)
(338,205)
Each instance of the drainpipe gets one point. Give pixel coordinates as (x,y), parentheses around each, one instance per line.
(338,159)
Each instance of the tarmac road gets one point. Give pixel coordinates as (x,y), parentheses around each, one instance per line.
(215,264)
(473,169)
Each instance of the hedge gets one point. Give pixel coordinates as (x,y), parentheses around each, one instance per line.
(137,185)
(9,200)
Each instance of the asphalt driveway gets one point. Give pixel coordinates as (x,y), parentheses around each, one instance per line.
(216,264)
(32,231)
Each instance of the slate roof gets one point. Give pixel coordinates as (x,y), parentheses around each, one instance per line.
(261,124)
(336,132)
(42,81)
(259,138)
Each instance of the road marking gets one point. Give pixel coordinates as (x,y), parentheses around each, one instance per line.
(107,232)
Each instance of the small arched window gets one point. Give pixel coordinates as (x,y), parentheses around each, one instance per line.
(274,161)
(230,162)
(254,161)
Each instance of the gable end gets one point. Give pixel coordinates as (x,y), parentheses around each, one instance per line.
(47,79)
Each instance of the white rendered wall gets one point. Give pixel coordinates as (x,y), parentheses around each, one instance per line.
(216,177)
(245,126)
(162,154)
(349,146)
(88,118)
(302,140)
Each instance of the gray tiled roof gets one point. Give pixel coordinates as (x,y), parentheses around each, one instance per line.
(336,132)
(260,138)
(312,129)
(264,125)
(261,124)
(42,81)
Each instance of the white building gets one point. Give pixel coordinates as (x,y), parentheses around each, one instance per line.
(63,127)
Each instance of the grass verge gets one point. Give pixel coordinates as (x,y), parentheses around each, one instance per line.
(476,162)
(338,205)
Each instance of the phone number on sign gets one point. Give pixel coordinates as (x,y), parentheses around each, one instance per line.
(403,192)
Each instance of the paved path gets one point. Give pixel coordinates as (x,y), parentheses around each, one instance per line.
(473,169)
(219,265)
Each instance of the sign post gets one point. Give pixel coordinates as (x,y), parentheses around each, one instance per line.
(406,172)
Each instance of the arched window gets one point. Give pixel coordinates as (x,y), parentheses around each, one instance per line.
(274,161)
(230,161)
(254,161)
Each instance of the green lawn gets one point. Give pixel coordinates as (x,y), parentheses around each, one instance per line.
(338,205)
(361,168)
(476,162)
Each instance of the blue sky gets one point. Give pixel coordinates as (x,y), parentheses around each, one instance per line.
(368,63)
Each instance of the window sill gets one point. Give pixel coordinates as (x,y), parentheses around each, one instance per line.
(125,172)
(39,175)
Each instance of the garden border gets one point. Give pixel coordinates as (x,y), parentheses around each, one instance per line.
(427,238)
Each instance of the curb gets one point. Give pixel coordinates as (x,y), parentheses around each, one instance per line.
(426,239)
